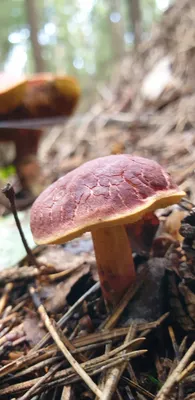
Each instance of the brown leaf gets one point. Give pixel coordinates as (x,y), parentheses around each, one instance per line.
(63,259)
(57,257)
(57,294)
(33,330)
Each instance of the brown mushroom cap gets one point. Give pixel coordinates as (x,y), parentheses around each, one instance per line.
(112,190)
(12,91)
(50,95)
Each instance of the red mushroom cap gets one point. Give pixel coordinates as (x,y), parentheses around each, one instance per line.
(117,189)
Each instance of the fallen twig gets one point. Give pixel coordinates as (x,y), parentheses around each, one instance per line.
(61,345)
(93,367)
(43,379)
(115,374)
(173,378)
(66,316)
(8,191)
(3,301)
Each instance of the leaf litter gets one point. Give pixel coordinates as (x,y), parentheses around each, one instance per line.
(144,349)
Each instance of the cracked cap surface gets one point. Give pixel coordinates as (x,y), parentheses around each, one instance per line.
(117,189)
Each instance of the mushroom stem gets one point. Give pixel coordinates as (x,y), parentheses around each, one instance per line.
(114,261)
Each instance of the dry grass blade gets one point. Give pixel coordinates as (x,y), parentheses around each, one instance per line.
(68,343)
(139,388)
(177,352)
(44,378)
(187,371)
(81,372)
(173,378)
(66,393)
(68,314)
(52,359)
(115,374)
(25,361)
(81,344)
(23,273)
(67,376)
(4,298)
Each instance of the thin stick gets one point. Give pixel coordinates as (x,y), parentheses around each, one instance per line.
(80,371)
(25,361)
(103,376)
(173,378)
(62,274)
(3,301)
(52,359)
(66,393)
(115,374)
(177,359)
(139,388)
(79,343)
(8,191)
(44,378)
(68,343)
(22,273)
(36,367)
(68,375)
(66,316)
(186,371)
(97,370)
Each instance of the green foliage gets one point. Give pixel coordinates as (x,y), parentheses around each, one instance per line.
(7,172)
(150,13)
(76,37)
(12,19)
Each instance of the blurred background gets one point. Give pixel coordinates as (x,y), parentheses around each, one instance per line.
(83,38)
(117,74)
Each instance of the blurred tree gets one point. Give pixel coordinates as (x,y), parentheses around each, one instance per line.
(116,21)
(84,38)
(33,22)
(136,20)
(150,13)
(12,17)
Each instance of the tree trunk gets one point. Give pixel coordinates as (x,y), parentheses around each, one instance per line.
(136,20)
(32,18)
(117,30)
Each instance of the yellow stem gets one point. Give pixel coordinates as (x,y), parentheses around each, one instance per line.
(114,260)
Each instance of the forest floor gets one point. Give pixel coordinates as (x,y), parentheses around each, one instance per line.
(51,304)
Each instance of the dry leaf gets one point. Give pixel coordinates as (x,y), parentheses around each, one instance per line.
(57,294)
(73,254)
(173,224)
(33,330)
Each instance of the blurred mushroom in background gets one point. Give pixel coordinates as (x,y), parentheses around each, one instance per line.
(42,96)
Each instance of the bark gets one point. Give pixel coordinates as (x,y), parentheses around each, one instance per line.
(32,18)
(136,20)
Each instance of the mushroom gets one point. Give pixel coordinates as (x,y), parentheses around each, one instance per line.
(48,95)
(103,196)
(39,96)
(12,91)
